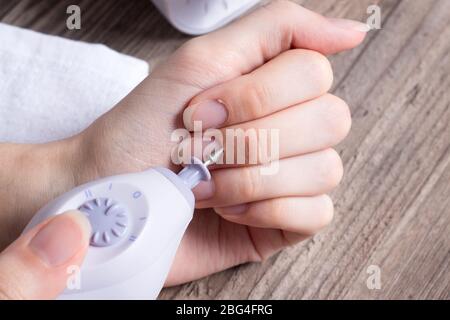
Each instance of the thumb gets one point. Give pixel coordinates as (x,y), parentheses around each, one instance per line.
(36,265)
(249,42)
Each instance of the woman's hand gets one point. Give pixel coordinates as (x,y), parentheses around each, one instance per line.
(268,71)
(260,71)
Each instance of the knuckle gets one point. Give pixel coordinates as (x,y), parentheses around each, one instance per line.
(276,212)
(321,69)
(331,169)
(256,97)
(249,185)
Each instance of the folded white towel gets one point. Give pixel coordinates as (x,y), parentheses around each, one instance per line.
(52,88)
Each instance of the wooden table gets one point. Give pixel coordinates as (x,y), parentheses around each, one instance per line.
(393,207)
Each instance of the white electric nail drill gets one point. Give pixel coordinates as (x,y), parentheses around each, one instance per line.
(201,16)
(137,221)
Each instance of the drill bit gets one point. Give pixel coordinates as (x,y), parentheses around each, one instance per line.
(197,171)
(213,157)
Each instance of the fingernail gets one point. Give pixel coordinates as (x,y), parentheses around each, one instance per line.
(61,238)
(238,209)
(204,190)
(350,24)
(211,114)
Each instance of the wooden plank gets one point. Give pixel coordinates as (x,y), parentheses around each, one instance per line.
(393,207)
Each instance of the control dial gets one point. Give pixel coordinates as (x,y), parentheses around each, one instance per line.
(109,221)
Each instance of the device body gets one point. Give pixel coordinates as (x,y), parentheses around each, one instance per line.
(201,16)
(137,223)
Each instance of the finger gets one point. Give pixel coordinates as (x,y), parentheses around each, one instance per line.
(308,127)
(293,77)
(36,265)
(282,25)
(300,215)
(306,175)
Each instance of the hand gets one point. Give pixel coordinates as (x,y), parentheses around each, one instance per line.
(37,264)
(269,72)
(259,68)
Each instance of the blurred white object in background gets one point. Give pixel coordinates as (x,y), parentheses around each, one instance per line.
(201,16)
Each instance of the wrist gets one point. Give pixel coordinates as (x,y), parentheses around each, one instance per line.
(32,175)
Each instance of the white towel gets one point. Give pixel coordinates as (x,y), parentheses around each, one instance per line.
(52,88)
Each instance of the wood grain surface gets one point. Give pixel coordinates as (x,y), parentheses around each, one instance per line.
(393,206)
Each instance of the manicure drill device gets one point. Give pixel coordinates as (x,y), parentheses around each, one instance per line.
(137,221)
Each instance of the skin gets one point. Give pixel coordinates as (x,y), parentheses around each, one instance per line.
(270,71)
